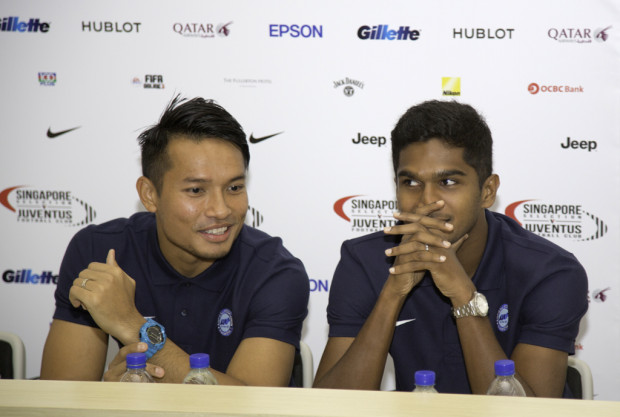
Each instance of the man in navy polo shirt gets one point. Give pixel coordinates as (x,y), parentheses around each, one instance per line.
(453,287)
(186,276)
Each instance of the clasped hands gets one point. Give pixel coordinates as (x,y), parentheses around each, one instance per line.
(423,248)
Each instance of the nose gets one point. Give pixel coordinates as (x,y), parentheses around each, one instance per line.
(217,206)
(429,195)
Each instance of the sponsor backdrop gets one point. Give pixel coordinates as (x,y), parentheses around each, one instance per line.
(317,87)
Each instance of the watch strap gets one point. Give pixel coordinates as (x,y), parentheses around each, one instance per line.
(470,308)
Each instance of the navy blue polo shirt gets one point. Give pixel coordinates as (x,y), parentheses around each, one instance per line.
(537,293)
(258,290)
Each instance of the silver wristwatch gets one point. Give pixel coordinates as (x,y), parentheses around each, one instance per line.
(477,306)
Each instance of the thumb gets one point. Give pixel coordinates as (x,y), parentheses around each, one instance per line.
(111,260)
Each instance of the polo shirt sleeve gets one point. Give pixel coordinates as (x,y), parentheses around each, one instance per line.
(278,308)
(553,309)
(351,298)
(77,257)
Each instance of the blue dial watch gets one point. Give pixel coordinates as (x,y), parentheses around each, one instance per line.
(154,335)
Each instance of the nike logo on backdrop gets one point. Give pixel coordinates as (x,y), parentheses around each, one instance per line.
(256,140)
(53,135)
(401,322)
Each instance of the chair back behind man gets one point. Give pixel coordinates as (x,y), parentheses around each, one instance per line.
(12,356)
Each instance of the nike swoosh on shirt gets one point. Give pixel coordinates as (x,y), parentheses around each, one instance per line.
(256,140)
(401,322)
(53,135)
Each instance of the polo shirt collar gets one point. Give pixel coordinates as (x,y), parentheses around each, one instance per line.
(213,278)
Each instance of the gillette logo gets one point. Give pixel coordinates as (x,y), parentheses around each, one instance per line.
(25,276)
(383,32)
(12,24)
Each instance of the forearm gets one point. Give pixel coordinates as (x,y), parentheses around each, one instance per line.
(480,350)
(362,365)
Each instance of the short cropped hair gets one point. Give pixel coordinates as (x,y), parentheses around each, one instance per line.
(460,125)
(197,119)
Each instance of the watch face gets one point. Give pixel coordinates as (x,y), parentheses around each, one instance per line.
(481,304)
(154,335)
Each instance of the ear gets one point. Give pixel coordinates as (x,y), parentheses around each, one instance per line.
(147,193)
(489,191)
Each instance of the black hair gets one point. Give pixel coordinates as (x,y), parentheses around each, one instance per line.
(460,125)
(197,119)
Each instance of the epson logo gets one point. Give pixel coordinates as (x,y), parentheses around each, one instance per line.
(319,285)
(12,24)
(590,145)
(369,140)
(25,276)
(295,31)
(383,32)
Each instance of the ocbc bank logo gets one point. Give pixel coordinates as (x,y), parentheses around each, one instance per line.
(534,88)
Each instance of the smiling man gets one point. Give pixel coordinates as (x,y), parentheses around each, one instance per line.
(187,276)
(453,287)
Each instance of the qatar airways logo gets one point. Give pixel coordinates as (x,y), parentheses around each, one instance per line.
(366,214)
(600,296)
(34,205)
(557,220)
(579,35)
(202,30)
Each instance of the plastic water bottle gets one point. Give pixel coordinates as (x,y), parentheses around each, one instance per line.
(505,382)
(136,368)
(425,382)
(199,374)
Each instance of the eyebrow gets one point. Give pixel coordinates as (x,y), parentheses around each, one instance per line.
(444,173)
(204,181)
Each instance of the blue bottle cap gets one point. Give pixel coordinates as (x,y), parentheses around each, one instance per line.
(504,367)
(425,378)
(199,360)
(136,360)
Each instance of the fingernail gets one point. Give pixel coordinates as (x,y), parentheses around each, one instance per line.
(388,252)
(387,229)
(396,213)
(449,226)
(446,244)
(142,346)
(442,258)
(159,372)
(392,270)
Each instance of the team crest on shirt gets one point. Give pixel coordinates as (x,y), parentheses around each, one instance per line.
(225,322)
(502,318)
